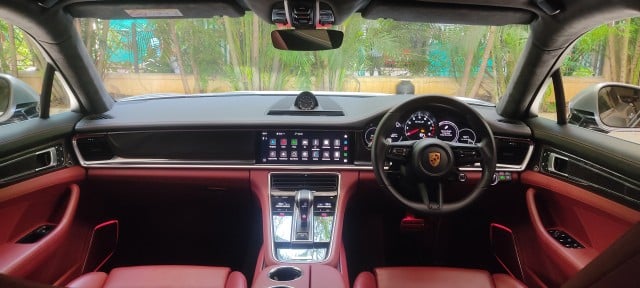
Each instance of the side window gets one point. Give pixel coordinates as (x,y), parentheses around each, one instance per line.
(601,78)
(22,67)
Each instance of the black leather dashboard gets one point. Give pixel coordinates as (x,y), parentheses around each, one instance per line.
(227,129)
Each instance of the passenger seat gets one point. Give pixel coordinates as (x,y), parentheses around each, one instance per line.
(163,276)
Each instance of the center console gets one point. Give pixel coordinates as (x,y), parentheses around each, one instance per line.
(303,208)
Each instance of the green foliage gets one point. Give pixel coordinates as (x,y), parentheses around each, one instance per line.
(239,51)
(24,50)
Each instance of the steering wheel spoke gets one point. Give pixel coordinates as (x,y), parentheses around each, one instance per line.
(431,194)
(400,151)
(467,154)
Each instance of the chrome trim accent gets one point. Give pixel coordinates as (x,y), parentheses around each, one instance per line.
(335,218)
(624,180)
(506,167)
(119,162)
(54,162)
(551,165)
(54,158)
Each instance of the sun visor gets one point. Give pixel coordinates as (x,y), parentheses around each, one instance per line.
(155,9)
(448,13)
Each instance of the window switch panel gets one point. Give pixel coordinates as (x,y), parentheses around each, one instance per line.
(564,239)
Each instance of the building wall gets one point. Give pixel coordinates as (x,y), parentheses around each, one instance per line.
(122,85)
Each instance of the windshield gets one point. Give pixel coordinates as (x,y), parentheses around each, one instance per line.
(222,54)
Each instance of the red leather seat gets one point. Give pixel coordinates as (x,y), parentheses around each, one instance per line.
(162,276)
(414,277)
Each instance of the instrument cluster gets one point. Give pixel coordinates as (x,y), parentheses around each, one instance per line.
(441,123)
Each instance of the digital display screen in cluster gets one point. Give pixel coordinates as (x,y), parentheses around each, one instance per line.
(304,147)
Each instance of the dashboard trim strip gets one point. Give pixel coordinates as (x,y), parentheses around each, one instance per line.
(119,162)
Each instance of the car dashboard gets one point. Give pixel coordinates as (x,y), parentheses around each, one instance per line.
(243,131)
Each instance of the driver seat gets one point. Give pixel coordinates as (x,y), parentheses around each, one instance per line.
(415,277)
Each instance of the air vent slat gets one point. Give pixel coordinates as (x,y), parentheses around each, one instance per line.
(95,148)
(512,151)
(295,182)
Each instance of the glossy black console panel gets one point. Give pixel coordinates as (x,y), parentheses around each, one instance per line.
(302,215)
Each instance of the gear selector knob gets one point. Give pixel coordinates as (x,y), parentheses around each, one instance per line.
(304,201)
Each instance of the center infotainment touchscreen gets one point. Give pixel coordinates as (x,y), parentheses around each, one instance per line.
(304,147)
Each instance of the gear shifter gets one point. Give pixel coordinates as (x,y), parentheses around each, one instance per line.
(303,202)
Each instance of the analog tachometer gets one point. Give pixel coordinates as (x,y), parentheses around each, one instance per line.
(420,125)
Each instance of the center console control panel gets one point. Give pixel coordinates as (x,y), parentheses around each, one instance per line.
(305,147)
(303,208)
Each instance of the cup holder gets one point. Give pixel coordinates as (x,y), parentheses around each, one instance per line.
(285,273)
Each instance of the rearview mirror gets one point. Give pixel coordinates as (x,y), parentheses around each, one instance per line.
(306,39)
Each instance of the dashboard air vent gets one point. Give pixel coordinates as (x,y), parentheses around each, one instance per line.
(313,182)
(512,151)
(94,148)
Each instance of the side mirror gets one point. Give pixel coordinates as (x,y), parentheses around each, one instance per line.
(306,39)
(618,106)
(18,101)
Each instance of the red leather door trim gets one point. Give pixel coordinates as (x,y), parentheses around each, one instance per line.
(20,259)
(594,221)
(62,177)
(569,261)
(597,202)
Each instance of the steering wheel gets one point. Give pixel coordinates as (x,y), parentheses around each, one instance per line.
(425,164)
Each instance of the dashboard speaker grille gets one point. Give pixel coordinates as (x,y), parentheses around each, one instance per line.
(313,182)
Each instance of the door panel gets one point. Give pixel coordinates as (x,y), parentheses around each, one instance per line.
(589,200)
(21,136)
(51,199)
(39,198)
